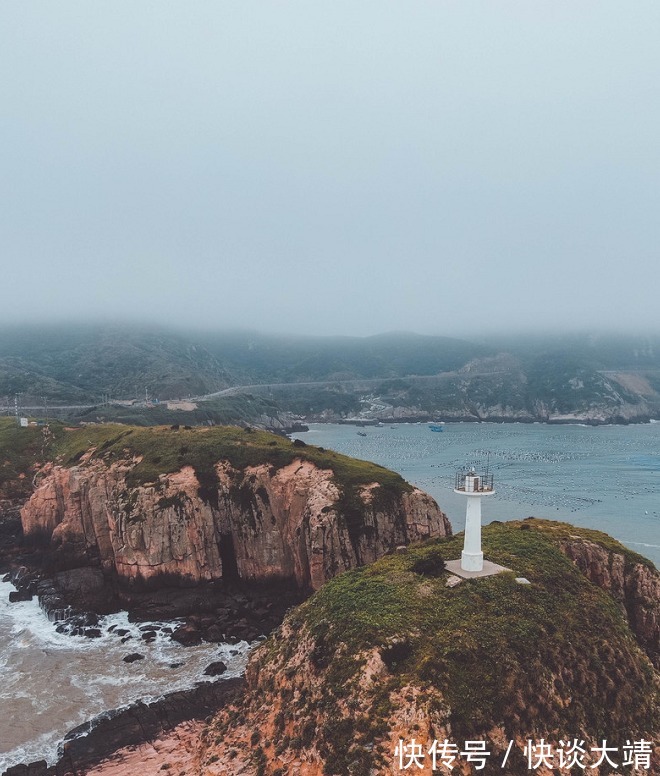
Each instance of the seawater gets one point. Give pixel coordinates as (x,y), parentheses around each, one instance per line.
(602,477)
(52,682)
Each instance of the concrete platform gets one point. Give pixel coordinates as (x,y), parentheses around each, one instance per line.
(454,566)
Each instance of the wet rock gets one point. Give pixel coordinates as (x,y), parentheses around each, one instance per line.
(175,665)
(139,723)
(19,595)
(121,631)
(125,639)
(215,669)
(133,657)
(37,768)
(188,635)
(85,588)
(93,633)
(214,634)
(149,635)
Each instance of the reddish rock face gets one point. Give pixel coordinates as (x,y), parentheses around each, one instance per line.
(634,585)
(266,524)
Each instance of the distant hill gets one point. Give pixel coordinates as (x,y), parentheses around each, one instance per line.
(388,377)
(82,363)
(600,350)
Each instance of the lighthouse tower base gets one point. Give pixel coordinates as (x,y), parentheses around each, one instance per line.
(472,561)
(487,570)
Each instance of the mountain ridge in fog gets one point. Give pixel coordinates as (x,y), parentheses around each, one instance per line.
(600,378)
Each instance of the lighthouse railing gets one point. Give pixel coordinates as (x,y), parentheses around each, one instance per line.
(481,482)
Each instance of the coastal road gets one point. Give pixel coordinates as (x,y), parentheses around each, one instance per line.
(355,384)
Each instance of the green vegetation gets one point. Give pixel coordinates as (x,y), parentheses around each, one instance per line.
(561,532)
(167,449)
(314,401)
(87,361)
(551,658)
(241,408)
(84,362)
(566,384)
(162,450)
(21,449)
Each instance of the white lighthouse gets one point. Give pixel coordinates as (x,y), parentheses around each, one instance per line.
(473,485)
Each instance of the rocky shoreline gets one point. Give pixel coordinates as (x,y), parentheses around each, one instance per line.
(214,612)
(587,420)
(97,740)
(75,598)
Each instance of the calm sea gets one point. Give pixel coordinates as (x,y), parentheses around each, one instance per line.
(604,477)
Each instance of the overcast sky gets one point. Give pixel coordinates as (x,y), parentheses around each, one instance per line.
(332,167)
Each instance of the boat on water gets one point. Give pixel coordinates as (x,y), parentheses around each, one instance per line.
(361,433)
(436,427)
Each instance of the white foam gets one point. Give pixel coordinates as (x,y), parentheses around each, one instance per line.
(58,681)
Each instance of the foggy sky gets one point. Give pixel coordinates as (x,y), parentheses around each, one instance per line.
(333,167)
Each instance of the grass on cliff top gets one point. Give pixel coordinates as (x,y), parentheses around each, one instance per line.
(553,657)
(165,449)
(562,532)
(20,450)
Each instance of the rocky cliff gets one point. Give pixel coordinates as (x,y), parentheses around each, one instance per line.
(220,504)
(401,651)
(630,579)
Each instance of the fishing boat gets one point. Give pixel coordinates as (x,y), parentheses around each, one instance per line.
(436,427)
(361,433)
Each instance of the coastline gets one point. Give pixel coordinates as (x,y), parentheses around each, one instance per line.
(141,722)
(502,420)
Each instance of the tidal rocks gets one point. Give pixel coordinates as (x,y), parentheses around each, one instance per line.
(141,722)
(133,657)
(188,635)
(215,669)
(37,768)
(20,595)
